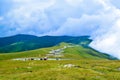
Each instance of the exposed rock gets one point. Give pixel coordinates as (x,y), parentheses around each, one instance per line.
(118,69)
(69,66)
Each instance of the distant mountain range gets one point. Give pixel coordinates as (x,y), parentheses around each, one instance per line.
(21,44)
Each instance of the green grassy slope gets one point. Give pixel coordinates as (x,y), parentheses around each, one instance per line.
(75,52)
(88,64)
(85,53)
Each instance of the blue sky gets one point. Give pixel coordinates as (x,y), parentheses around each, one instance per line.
(98,18)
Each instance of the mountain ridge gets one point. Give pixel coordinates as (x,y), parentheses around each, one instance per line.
(21,41)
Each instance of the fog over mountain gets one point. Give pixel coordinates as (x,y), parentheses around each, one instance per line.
(98,18)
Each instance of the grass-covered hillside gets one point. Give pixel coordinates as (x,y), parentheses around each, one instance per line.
(69,51)
(75,63)
(22,42)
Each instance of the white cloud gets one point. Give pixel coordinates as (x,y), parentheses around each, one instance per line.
(106,38)
(109,41)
